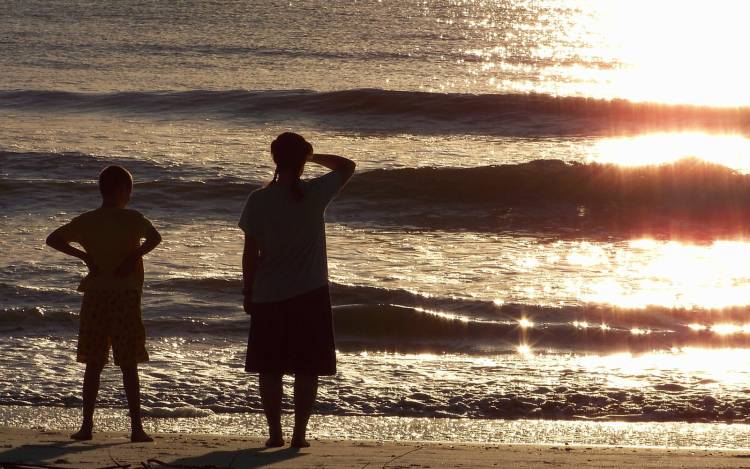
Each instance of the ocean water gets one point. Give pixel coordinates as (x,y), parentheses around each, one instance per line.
(549,219)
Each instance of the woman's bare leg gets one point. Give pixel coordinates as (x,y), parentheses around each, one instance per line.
(305,392)
(271,392)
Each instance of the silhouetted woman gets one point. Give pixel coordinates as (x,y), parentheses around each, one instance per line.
(285,274)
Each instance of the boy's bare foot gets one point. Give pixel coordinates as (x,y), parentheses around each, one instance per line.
(140,437)
(82,435)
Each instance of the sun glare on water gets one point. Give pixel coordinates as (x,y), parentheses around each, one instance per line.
(723,366)
(666,51)
(678,275)
(670,51)
(732,151)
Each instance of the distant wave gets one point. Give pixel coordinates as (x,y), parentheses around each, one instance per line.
(33,318)
(687,198)
(546,196)
(288,52)
(74,166)
(402,111)
(540,182)
(152,49)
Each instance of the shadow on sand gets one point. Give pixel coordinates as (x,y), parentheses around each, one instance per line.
(252,457)
(55,452)
(51,452)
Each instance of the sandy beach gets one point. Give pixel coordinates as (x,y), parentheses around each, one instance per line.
(53,448)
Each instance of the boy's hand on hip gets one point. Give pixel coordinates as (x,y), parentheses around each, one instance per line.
(93,269)
(247,304)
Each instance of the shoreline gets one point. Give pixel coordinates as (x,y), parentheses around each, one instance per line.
(658,435)
(112,449)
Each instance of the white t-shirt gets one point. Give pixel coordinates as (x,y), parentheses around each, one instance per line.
(291,237)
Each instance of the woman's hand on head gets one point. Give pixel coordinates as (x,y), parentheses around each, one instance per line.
(344,166)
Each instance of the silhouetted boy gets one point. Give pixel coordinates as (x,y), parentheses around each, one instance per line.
(111,309)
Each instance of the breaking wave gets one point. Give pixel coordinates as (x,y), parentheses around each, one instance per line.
(369,318)
(545,196)
(413,111)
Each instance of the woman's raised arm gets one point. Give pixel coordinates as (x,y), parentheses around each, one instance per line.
(344,166)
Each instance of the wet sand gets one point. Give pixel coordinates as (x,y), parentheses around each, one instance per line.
(112,449)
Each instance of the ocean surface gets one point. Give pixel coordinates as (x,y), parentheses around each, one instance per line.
(549,219)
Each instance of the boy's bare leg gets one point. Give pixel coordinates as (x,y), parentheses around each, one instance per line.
(305,392)
(90,390)
(271,392)
(133,393)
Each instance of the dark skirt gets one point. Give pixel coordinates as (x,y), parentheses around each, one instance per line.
(293,336)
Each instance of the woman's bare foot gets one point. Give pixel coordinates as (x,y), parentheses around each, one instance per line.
(84,434)
(275,442)
(275,436)
(299,442)
(140,436)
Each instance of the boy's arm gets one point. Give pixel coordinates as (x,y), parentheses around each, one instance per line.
(153,238)
(250,255)
(58,242)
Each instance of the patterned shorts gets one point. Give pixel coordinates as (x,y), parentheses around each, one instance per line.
(111,318)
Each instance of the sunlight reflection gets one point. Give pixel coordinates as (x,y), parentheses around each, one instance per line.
(625,273)
(677,275)
(669,51)
(727,329)
(722,365)
(662,50)
(524,323)
(652,149)
(588,254)
(440,314)
(524,349)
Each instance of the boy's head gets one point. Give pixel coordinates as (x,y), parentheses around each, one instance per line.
(116,185)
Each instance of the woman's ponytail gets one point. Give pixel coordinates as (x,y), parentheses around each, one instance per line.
(290,152)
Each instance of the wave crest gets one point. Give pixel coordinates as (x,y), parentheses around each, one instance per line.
(543,196)
(370,318)
(400,111)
